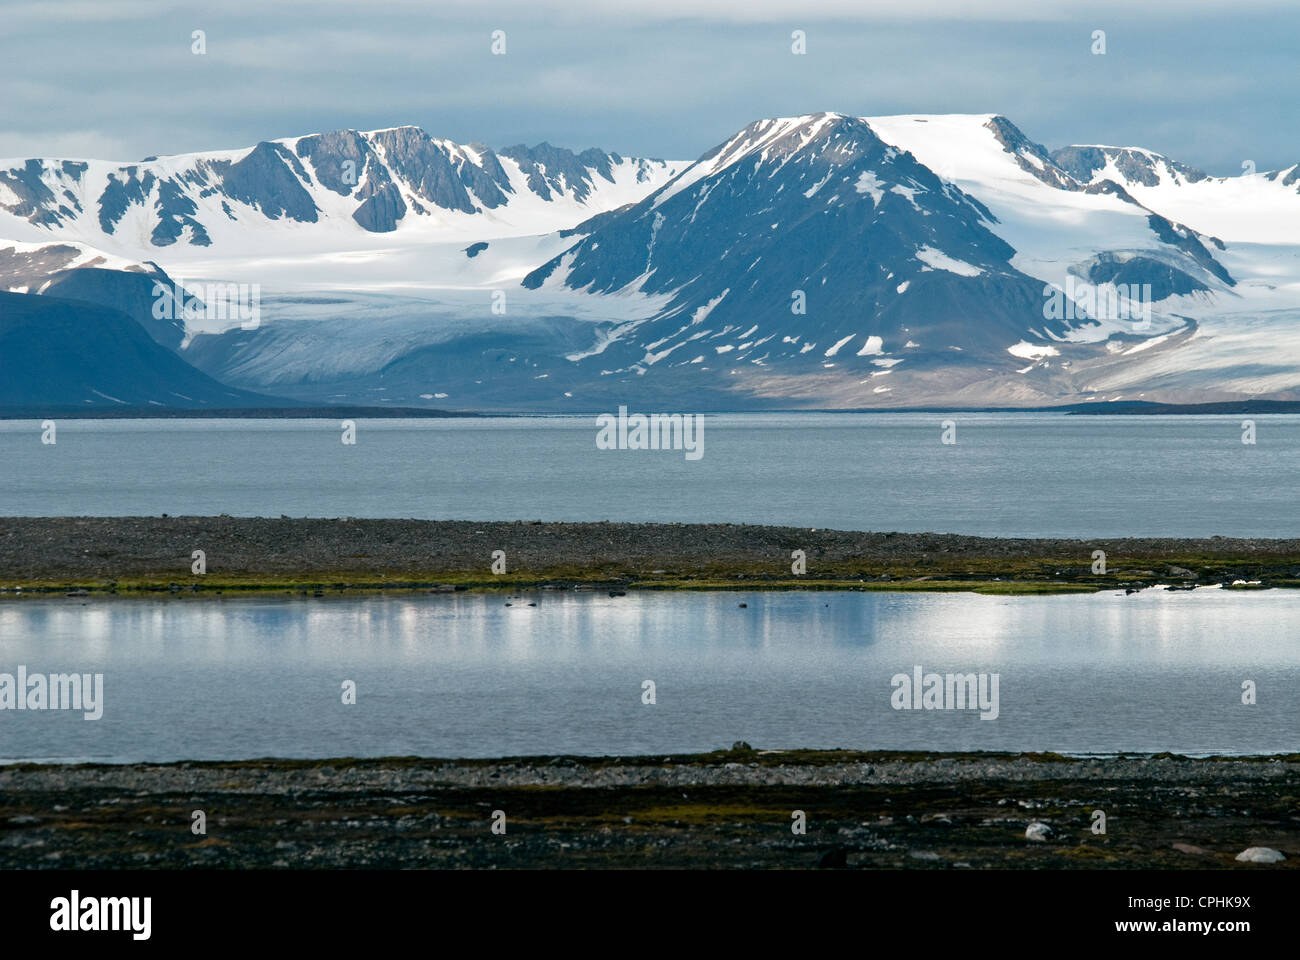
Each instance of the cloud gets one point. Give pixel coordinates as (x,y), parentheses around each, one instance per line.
(1206,82)
(501,14)
(67,145)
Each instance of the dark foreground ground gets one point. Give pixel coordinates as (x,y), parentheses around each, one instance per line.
(154,554)
(730,809)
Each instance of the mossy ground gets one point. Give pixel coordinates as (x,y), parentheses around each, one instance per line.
(986,575)
(321,557)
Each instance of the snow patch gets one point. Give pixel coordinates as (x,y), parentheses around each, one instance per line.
(699,315)
(1032,351)
(869,183)
(839,343)
(941,261)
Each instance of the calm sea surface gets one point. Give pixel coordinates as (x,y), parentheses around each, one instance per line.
(1007,474)
(468,675)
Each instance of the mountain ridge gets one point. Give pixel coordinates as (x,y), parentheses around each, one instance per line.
(931,252)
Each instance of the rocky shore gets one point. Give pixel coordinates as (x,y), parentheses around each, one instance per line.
(728,809)
(156,554)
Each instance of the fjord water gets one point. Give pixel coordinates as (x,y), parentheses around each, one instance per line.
(467,675)
(1022,474)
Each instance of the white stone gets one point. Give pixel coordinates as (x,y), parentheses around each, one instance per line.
(1260,855)
(1038,831)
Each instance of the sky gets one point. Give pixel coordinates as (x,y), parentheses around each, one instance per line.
(1210,83)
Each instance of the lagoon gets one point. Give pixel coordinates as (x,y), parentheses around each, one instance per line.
(487,675)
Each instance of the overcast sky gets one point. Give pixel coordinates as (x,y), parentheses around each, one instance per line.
(1210,83)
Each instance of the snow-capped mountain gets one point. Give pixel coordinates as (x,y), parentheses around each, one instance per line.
(406,235)
(929,253)
(311,191)
(75,271)
(1222,256)
(803,247)
(1057,222)
(822,261)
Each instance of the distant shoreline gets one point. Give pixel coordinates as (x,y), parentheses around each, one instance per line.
(229,413)
(330,412)
(128,556)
